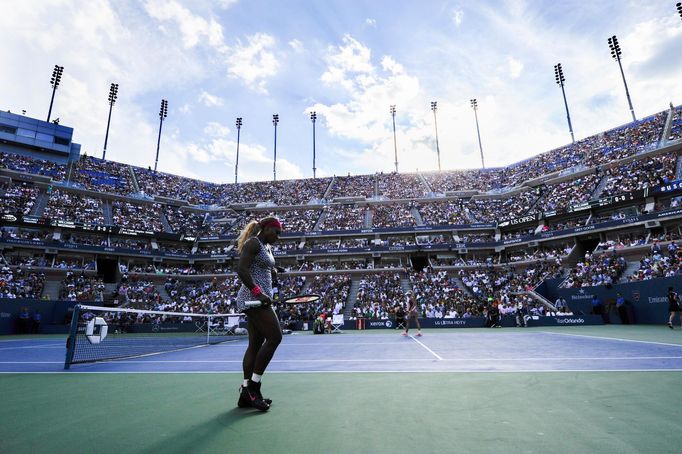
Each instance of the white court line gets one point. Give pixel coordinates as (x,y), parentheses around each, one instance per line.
(33,346)
(468,371)
(285,344)
(427,348)
(362,360)
(613,338)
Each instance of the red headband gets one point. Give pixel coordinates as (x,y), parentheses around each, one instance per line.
(272,223)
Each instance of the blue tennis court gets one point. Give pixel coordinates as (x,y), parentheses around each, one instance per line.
(531,350)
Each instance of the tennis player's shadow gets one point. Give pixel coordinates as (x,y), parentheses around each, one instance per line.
(200,437)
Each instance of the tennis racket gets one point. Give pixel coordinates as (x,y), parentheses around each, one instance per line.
(298,299)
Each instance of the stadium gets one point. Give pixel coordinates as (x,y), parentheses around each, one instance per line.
(542,289)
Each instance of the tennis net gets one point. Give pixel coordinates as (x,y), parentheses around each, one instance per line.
(105,333)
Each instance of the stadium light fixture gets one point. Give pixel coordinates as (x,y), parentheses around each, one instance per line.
(434,108)
(679,9)
(54,81)
(395,143)
(163,113)
(113,94)
(313,118)
(275,121)
(474,105)
(236,162)
(617,53)
(560,79)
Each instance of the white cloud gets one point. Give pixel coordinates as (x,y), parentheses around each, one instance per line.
(193,28)
(254,63)
(215,129)
(225,4)
(296,45)
(210,100)
(515,67)
(185,108)
(457,17)
(371,22)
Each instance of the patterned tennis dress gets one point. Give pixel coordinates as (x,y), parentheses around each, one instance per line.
(260,270)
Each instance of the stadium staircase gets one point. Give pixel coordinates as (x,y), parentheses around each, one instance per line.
(320,220)
(51,290)
(417,217)
(109,290)
(133,178)
(162,291)
(352,296)
(40,204)
(405,284)
(631,269)
(540,299)
(376,186)
(425,183)
(107,212)
(326,191)
(166,225)
(600,188)
(456,279)
(667,128)
(369,217)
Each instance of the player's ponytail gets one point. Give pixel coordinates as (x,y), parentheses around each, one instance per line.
(251,229)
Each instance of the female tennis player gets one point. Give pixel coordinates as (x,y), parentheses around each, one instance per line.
(673,306)
(256,270)
(412,313)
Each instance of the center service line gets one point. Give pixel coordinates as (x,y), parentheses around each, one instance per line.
(427,348)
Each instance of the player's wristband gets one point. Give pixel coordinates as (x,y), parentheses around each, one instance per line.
(256,291)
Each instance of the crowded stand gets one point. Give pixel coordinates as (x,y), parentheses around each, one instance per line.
(602,269)
(502,283)
(352,186)
(334,289)
(70,207)
(461,180)
(344,217)
(451,212)
(79,287)
(662,261)
(489,210)
(439,295)
(183,221)
(32,165)
(560,196)
(204,296)
(282,192)
(176,187)
(22,282)
(640,174)
(102,176)
(392,216)
(18,199)
(400,186)
(140,216)
(377,296)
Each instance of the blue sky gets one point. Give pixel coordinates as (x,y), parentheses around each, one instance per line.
(347,60)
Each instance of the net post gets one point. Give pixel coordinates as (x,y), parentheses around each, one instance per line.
(71,340)
(208,330)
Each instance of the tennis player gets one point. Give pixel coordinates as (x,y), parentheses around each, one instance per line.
(256,270)
(411,313)
(673,306)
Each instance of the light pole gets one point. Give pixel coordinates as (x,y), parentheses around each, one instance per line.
(163,113)
(679,9)
(313,118)
(434,108)
(275,120)
(616,53)
(395,143)
(236,162)
(560,79)
(113,94)
(474,105)
(54,81)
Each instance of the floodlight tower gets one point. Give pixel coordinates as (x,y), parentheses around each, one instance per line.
(474,105)
(313,118)
(163,113)
(434,108)
(275,121)
(560,79)
(616,53)
(679,9)
(395,143)
(236,162)
(113,94)
(54,81)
